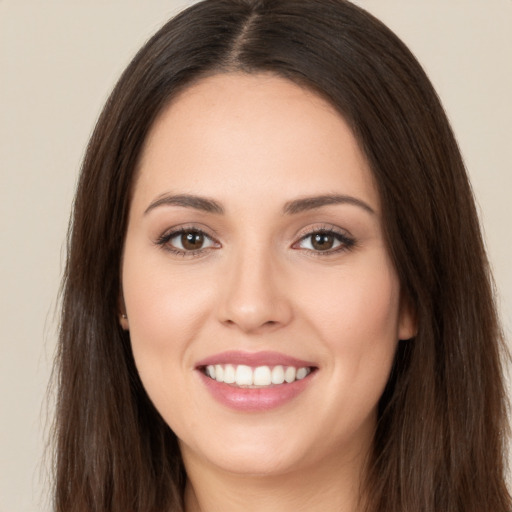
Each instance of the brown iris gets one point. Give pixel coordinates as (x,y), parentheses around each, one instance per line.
(322,241)
(192,240)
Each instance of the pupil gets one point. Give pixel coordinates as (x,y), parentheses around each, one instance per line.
(323,241)
(192,240)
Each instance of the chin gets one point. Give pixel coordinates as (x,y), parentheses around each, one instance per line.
(263,455)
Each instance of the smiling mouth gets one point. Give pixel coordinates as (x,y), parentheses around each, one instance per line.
(245,376)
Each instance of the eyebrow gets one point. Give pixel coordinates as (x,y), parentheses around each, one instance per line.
(315,202)
(187,201)
(290,208)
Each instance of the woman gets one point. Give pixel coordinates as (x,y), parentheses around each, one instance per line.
(276,293)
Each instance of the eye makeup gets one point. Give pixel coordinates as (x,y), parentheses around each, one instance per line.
(191,241)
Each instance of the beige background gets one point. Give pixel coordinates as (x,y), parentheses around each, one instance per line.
(58,61)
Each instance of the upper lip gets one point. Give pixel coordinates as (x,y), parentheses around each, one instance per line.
(254,359)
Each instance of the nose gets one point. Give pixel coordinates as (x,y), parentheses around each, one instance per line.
(254,295)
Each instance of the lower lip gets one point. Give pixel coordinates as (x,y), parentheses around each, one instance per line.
(254,399)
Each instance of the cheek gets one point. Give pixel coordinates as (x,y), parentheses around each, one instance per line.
(356,315)
(165,312)
(363,299)
(356,320)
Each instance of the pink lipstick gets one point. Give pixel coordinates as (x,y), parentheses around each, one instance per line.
(255,381)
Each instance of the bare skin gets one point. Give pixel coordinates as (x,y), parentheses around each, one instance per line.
(223,253)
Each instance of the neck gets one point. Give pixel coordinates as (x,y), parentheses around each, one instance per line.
(331,486)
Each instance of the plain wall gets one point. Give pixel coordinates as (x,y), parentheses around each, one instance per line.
(58,61)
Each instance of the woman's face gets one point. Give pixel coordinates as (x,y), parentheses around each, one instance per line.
(262,305)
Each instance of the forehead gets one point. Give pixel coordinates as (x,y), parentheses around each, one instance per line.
(252,134)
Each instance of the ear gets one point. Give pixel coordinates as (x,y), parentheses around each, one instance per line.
(407,321)
(123,320)
(123,317)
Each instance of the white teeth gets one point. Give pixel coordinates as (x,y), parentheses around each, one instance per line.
(278,375)
(229,374)
(219,373)
(301,373)
(289,374)
(243,375)
(261,376)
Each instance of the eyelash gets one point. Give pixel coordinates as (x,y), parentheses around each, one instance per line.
(163,241)
(346,242)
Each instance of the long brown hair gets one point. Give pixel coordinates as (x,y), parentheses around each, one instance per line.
(441,434)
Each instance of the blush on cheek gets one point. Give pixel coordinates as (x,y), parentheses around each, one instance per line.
(363,309)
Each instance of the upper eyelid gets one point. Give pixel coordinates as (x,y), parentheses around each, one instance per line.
(304,233)
(342,237)
(163,241)
(211,233)
(175,230)
(324,228)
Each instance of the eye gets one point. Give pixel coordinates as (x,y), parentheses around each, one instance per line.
(186,241)
(325,241)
